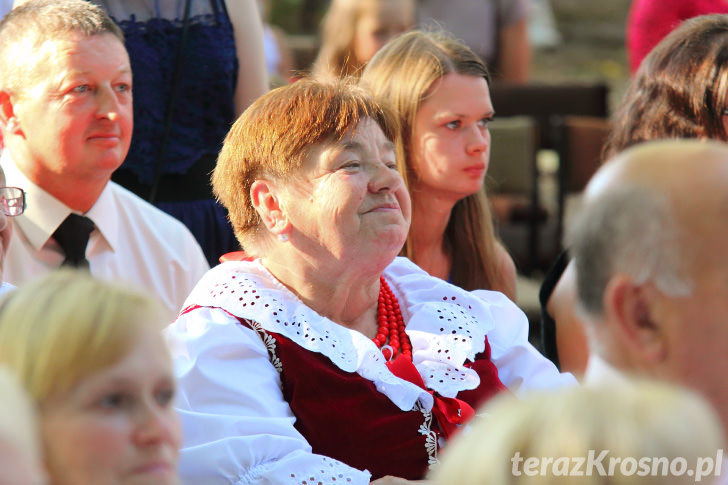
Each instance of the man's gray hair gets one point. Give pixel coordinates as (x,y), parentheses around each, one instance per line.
(36,22)
(629,230)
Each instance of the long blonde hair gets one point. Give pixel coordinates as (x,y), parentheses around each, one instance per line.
(402,74)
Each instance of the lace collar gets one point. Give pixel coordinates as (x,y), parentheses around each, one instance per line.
(446,325)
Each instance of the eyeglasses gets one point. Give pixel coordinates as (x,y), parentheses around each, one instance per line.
(12,200)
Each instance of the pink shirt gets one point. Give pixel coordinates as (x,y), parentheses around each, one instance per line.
(649,21)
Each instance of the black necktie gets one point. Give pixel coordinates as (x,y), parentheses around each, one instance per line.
(72,235)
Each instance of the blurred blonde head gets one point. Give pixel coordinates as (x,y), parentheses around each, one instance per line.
(58,329)
(20,456)
(641,420)
(353,30)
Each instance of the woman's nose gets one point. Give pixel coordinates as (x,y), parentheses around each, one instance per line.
(383,177)
(478,140)
(158,425)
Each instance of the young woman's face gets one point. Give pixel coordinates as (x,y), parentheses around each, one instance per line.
(117,425)
(451,143)
(383,21)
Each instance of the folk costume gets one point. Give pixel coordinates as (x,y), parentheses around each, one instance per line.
(273,392)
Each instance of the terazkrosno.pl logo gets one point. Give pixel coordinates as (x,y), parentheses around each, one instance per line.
(601,463)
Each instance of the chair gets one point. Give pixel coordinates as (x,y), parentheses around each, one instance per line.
(512,183)
(578,141)
(544,101)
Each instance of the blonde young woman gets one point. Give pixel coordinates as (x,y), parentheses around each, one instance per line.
(440,89)
(91,356)
(354,30)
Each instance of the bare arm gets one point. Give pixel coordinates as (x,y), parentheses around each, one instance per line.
(514,57)
(570,338)
(252,75)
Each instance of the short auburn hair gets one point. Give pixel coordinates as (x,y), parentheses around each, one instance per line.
(274,137)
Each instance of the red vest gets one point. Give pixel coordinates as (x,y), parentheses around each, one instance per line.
(343,416)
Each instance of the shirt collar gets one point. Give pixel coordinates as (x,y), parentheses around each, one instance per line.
(44,213)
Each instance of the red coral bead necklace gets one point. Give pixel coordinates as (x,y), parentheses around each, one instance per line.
(390,324)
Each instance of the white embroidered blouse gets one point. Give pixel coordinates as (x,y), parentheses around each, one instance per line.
(237,426)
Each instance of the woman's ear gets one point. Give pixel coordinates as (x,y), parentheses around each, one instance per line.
(266,200)
(629,308)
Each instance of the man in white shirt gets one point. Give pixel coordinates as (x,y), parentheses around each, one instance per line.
(651,269)
(66,118)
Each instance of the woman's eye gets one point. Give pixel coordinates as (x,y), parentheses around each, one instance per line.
(165,397)
(453,125)
(353,165)
(483,122)
(83,88)
(113,400)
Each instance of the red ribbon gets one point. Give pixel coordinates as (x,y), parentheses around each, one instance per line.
(450,412)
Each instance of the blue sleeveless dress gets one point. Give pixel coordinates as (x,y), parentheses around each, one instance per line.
(202,112)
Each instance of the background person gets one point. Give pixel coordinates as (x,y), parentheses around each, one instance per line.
(648,420)
(278,53)
(497,30)
(650,273)
(92,358)
(66,118)
(649,21)
(439,88)
(12,202)
(188,90)
(678,92)
(323,355)
(353,30)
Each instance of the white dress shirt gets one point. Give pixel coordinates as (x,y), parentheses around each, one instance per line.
(133,242)
(239,429)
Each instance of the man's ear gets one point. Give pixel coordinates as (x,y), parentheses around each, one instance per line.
(265,199)
(629,310)
(8,117)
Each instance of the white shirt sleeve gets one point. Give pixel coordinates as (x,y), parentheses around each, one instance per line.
(238,428)
(521,367)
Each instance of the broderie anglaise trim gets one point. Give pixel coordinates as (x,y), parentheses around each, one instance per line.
(446,326)
(269,342)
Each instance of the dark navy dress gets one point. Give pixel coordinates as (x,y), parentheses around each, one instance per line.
(201,114)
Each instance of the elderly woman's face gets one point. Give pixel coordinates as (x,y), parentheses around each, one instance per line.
(351,200)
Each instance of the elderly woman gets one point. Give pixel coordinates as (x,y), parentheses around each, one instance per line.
(323,358)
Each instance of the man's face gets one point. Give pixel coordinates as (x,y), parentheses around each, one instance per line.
(75,115)
(696,325)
